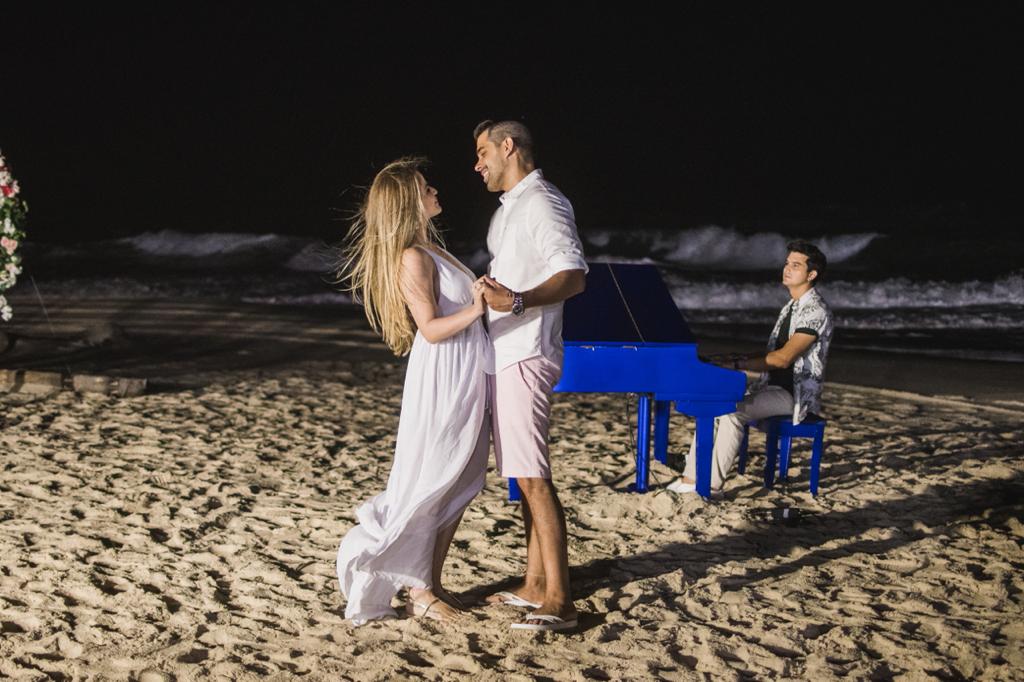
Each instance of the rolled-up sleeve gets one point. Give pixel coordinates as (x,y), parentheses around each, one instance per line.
(552,224)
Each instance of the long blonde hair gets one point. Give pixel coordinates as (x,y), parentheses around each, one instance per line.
(390,220)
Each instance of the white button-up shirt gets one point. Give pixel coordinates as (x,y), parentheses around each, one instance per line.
(532,237)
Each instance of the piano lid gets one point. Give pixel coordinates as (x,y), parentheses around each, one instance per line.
(624,303)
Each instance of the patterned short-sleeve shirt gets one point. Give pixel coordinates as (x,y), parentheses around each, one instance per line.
(811,315)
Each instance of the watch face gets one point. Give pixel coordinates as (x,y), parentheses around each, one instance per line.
(517,304)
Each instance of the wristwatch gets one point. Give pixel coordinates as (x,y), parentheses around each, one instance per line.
(517,303)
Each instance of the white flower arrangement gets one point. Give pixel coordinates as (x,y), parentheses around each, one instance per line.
(12,215)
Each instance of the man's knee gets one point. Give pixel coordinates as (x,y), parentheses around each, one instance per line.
(735,420)
(531,487)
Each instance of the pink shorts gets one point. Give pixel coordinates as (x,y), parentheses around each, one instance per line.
(520,412)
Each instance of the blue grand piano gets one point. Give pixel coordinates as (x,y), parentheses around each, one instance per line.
(624,334)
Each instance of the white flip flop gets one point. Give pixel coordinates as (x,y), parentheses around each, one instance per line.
(550,623)
(509,599)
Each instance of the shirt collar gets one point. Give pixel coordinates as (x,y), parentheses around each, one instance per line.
(521,186)
(800,302)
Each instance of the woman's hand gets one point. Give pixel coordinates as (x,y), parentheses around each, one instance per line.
(497,295)
(479,302)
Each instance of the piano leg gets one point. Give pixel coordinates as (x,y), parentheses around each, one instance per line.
(643,443)
(513,490)
(705,445)
(662,411)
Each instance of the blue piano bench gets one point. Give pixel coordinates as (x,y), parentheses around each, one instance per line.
(513,491)
(779,435)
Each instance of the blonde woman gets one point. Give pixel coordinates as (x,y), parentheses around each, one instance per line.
(425,303)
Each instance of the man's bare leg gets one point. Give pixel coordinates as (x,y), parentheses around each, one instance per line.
(532,587)
(534,582)
(548,525)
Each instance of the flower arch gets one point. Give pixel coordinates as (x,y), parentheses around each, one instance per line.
(12,217)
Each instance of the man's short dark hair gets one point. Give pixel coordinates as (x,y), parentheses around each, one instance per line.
(816,260)
(498,131)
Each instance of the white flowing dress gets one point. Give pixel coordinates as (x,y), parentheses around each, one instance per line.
(440,461)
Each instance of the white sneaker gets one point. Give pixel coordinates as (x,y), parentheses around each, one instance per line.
(678,486)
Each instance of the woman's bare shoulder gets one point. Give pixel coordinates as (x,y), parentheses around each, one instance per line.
(417,262)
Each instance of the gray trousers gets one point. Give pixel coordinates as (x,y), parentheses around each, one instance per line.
(770,401)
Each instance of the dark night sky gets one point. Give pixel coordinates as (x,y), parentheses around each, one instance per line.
(234,119)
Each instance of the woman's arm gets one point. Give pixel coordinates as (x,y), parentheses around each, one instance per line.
(417,284)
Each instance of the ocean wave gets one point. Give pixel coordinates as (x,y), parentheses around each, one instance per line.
(851,295)
(282,288)
(174,243)
(717,247)
(314,257)
(1002,318)
(959,353)
(477,261)
(324,298)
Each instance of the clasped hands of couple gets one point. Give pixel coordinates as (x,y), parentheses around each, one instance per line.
(488,291)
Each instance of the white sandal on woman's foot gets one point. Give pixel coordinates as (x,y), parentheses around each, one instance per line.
(420,610)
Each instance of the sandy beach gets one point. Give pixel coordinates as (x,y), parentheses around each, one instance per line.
(190,533)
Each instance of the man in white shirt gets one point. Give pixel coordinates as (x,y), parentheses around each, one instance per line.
(536,263)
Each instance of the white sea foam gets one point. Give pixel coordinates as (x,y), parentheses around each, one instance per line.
(324,298)
(996,319)
(853,295)
(477,261)
(710,247)
(721,248)
(174,243)
(313,257)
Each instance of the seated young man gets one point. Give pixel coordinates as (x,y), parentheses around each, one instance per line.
(792,372)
